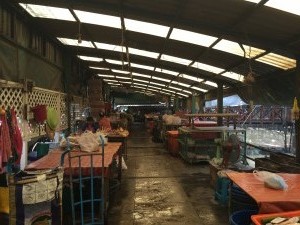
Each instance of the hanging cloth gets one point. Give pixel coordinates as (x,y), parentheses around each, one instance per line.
(5,143)
(16,136)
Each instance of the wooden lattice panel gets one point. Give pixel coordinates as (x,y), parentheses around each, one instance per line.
(63,112)
(12,97)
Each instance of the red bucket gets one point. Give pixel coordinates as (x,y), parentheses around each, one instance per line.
(39,113)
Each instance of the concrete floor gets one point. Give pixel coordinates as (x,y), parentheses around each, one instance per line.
(159,189)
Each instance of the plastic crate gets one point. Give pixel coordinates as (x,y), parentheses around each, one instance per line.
(256,219)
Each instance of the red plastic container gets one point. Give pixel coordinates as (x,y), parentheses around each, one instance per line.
(173,145)
(257,219)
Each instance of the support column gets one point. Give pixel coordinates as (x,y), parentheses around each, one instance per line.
(176,104)
(220,103)
(193,103)
(297,122)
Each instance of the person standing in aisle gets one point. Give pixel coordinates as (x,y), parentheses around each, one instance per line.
(104,122)
(90,125)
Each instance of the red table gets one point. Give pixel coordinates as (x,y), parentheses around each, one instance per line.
(270,200)
(52,160)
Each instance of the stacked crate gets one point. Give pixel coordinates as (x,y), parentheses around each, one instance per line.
(96,97)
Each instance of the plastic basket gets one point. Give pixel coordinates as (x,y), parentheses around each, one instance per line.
(242,217)
(256,219)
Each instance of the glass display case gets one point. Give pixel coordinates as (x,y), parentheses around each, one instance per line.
(201,143)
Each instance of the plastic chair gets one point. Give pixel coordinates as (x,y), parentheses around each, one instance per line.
(86,188)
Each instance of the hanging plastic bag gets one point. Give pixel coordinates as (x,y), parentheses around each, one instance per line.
(88,142)
(271,180)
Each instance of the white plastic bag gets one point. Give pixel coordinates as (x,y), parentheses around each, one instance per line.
(271,180)
(88,142)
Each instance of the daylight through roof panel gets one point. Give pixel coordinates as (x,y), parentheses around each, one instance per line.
(110,47)
(197,79)
(140,75)
(278,61)
(207,67)
(158,84)
(74,42)
(180,84)
(140,52)
(234,48)
(48,12)
(213,84)
(290,6)
(98,68)
(175,59)
(199,89)
(143,81)
(166,71)
(123,78)
(103,75)
(161,79)
(120,71)
(98,19)
(118,62)
(146,28)
(192,37)
(234,76)
(141,66)
(88,58)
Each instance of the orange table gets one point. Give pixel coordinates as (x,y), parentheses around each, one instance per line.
(270,200)
(52,160)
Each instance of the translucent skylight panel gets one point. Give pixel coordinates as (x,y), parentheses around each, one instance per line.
(175,59)
(166,71)
(210,83)
(197,79)
(207,67)
(146,28)
(290,6)
(88,58)
(141,66)
(278,61)
(125,82)
(158,84)
(123,78)
(143,81)
(138,84)
(98,19)
(103,75)
(109,80)
(135,51)
(139,87)
(104,46)
(178,93)
(161,79)
(192,37)
(48,12)
(180,84)
(98,68)
(114,84)
(74,42)
(235,48)
(254,1)
(189,92)
(165,93)
(167,90)
(154,87)
(140,75)
(120,71)
(175,88)
(234,76)
(118,62)
(199,89)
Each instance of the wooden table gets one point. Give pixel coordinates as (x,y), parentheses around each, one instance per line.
(112,138)
(270,200)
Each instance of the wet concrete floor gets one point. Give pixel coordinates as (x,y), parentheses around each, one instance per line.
(160,189)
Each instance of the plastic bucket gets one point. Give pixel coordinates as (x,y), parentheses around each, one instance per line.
(242,217)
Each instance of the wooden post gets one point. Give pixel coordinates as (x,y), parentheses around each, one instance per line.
(297,122)
(220,103)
